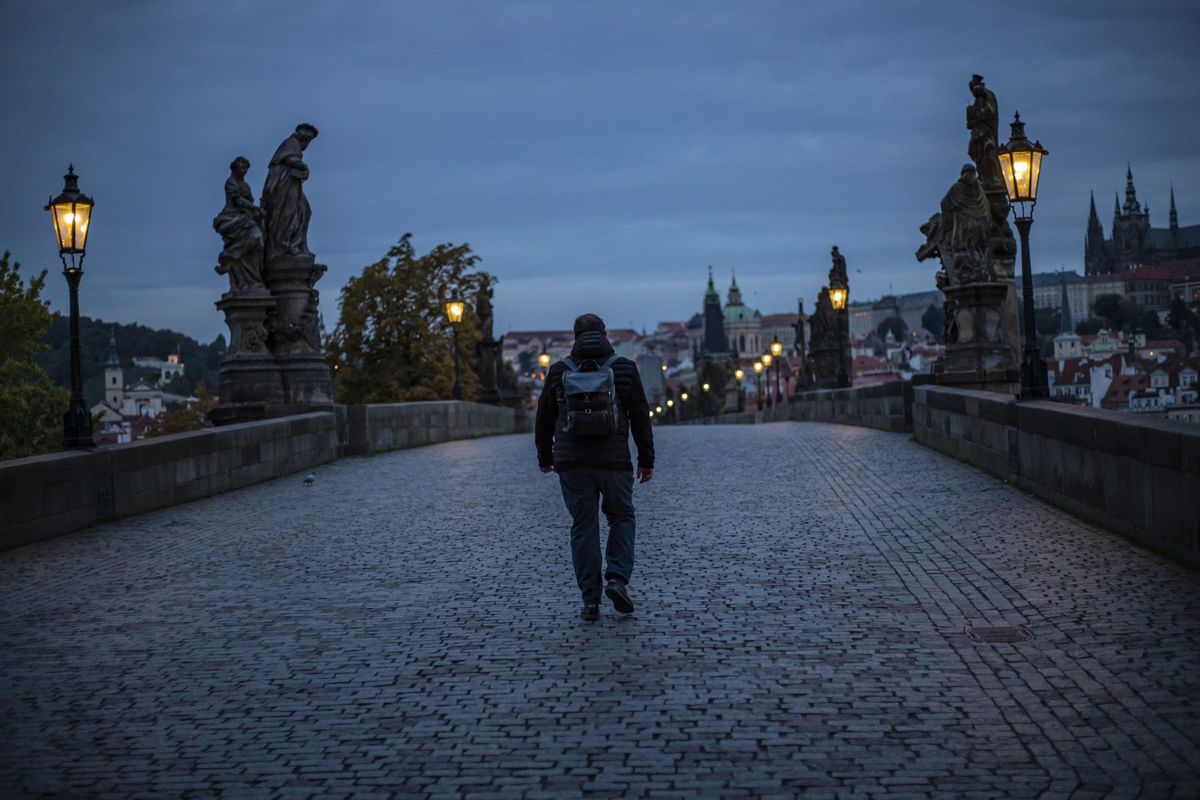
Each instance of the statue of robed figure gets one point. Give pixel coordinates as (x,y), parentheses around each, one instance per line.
(284,205)
(240,226)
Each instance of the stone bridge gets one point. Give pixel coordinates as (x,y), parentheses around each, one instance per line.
(824,611)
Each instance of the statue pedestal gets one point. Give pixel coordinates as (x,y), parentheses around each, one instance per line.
(249,376)
(295,332)
(979,332)
(487,354)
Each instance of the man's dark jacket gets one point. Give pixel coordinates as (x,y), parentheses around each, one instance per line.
(611,452)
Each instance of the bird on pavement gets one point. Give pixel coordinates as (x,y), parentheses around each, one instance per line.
(309,478)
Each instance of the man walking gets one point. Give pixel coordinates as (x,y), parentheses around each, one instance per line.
(590,403)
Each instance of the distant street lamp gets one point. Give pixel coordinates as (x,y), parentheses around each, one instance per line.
(838,295)
(758,398)
(544,362)
(72,213)
(766,359)
(739,375)
(454,313)
(776,352)
(1021,163)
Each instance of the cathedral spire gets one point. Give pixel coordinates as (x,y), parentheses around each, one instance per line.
(735,294)
(1092,211)
(1131,202)
(1174,215)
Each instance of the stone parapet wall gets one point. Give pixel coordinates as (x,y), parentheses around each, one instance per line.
(47,496)
(1138,477)
(382,427)
(885,406)
(51,495)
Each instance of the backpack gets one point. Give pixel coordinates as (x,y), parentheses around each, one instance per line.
(588,404)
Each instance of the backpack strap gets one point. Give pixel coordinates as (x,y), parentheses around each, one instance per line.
(608,362)
(571,363)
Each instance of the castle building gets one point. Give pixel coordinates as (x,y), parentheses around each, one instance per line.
(1133,241)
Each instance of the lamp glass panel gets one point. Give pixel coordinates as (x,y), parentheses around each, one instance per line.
(1006,169)
(1035,174)
(837,298)
(1022,168)
(766,359)
(64,226)
(454,311)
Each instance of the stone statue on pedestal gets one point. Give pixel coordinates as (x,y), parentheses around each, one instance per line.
(284,204)
(487,349)
(274,365)
(825,344)
(240,226)
(971,237)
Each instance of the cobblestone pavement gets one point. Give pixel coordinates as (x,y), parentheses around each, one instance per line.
(408,627)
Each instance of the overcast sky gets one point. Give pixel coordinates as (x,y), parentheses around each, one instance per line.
(599,156)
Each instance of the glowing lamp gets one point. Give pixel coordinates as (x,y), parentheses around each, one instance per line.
(71,212)
(837,298)
(544,360)
(776,347)
(766,359)
(739,374)
(705,387)
(670,404)
(454,309)
(758,367)
(683,397)
(1021,165)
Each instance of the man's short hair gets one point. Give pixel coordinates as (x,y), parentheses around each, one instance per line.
(585,323)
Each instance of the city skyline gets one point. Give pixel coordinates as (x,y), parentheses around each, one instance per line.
(607,152)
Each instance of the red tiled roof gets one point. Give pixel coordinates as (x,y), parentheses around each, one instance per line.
(1123,385)
(780,320)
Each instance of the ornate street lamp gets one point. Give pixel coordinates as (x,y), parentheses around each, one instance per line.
(72,215)
(1021,164)
(739,375)
(839,293)
(766,359)
(758,398)
(454,313)
(776,352)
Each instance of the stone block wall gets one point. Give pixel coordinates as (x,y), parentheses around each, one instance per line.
(885,406)
(381,427)
(47,496)
(1137,476)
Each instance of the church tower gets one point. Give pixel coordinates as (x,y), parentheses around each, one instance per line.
(715,342)
(114,376)
(1095,260)
(1131,229)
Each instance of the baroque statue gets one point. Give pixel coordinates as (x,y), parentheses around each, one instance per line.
(284,205)
(240,225)
(972,244)
(983,120)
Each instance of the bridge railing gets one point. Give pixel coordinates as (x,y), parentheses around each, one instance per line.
(47,496)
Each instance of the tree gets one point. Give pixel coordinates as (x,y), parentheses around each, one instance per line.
(934,321)
(1108,308)
(1089,326)
(33,407)
(895,325)
(191,417)
(392,342)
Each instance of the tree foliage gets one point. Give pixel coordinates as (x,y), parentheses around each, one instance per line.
(32,418)
(894,324)
(934,321)
(393,342)
(191,417)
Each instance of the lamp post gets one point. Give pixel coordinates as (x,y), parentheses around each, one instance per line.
(776,352)
(838,294)
(454,313)
(766,359)
(1021,164)
(72,213)
(758,400)
(739,375)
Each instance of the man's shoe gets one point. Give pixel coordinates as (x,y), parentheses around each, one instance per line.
(591,612)
(620,597)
